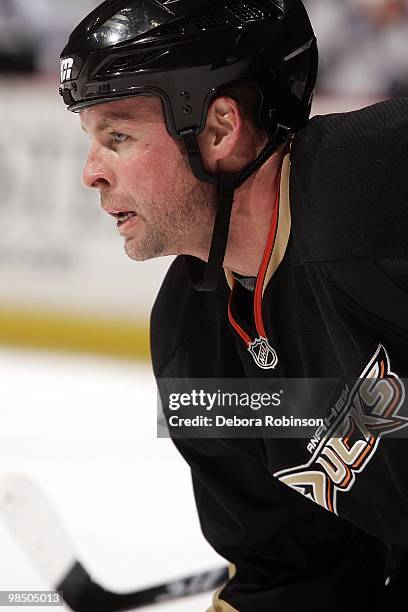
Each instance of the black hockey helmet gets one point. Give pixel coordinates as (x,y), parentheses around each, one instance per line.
(188,52)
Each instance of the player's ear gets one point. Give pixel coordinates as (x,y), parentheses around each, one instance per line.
(222,132)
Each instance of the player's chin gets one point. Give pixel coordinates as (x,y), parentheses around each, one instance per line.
(141,252)
(133,252)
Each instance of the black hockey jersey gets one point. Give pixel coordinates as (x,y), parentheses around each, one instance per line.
(304,528)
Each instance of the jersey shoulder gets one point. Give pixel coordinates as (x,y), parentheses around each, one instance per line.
(382,126)
(349,185)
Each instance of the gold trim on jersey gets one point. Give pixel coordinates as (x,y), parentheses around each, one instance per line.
(284,225)
(220,605)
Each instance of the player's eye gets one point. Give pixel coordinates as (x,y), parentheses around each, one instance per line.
(118,138)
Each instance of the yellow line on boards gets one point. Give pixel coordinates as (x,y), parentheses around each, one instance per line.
(78,333)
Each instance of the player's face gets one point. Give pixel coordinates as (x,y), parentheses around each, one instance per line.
(145,182)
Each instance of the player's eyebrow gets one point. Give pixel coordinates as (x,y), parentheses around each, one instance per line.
(110,118)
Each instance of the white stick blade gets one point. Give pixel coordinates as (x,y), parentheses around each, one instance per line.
(35,525)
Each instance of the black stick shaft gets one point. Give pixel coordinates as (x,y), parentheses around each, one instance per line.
(82,594)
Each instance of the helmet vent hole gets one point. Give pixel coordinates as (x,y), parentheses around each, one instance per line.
(245,11)
(172,29)
(134,61)
(211,19)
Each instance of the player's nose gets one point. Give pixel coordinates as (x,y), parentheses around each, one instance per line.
(96,173)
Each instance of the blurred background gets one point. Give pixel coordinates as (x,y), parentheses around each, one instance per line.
(78,398)
(65,281)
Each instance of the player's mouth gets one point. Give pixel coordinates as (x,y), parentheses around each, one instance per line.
(124,217)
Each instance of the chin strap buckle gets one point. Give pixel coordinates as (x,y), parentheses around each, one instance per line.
(190,141)
(192,149)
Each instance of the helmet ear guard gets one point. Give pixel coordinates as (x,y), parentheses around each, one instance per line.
(188,53)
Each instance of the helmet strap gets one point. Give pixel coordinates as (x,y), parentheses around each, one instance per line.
(226,185)
(212,273)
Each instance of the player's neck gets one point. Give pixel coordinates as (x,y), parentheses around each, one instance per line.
(251,219)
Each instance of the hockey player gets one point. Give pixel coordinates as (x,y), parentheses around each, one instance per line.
(293,262)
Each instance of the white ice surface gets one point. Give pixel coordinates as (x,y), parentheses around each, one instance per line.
(85,430)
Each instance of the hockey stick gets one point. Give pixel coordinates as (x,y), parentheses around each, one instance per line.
(37,528)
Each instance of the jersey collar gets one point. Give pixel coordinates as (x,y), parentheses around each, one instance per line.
(283,229)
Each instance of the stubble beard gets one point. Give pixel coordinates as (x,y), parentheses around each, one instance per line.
(182,223)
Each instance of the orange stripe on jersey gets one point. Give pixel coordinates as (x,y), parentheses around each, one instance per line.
(260,279)
(366,452)
(264,265)
(329,496)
